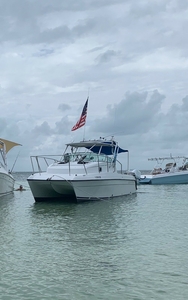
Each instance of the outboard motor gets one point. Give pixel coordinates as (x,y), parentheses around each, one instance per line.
(136,173)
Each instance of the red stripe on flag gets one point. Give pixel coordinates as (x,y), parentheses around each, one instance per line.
(81,122)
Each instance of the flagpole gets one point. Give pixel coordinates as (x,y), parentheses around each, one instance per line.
(84,133)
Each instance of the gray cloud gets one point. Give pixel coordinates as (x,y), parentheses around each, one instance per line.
(64,126)
(42,130)
(107,56)
(63,107)
(132,115)
(53,53)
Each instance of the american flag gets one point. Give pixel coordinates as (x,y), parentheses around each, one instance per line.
(81,122)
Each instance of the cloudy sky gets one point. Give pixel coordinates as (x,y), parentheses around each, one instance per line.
(130,56)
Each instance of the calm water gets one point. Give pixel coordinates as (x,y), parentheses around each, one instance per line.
(135,247)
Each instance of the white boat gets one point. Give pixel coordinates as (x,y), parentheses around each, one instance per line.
(174,172)
(6,179)
(87,170)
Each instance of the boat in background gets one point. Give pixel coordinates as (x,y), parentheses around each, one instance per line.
(87,170)
(174,172)
(6,179)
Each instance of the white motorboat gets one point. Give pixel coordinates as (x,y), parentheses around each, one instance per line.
(6,179)
(174,172)
(87,170)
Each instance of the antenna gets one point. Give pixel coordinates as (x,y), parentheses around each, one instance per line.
(15,161)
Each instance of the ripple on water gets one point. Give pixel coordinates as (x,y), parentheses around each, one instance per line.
(131,248)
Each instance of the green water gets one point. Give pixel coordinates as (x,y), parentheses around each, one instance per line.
(129,248)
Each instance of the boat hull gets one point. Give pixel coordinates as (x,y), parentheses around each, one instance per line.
(6,183)
(102,189)
(166,178)
(145,180)
(81,189)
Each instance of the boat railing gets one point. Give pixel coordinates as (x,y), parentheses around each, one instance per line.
(39,163)
(121,167)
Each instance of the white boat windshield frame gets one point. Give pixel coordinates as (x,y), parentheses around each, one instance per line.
(85,152)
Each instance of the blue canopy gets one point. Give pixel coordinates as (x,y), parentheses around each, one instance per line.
(102,146)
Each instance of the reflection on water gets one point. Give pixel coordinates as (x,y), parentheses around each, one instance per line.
(84,221)
(6,198)
(53,209)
